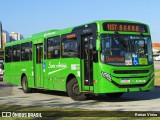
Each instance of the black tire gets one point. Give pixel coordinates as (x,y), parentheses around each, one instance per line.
(114,95)
(73,90)
(25,87)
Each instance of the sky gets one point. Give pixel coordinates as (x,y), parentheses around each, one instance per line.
(32,16)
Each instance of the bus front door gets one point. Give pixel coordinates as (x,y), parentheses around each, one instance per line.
(87,63)
(38,55)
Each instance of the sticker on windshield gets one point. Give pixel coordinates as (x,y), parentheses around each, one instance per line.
(143,61)
(128,62)
(135,61)
(131,37)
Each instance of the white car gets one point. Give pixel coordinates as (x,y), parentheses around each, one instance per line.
(156,57)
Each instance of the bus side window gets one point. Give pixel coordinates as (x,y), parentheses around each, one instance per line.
(69,47)
(53,47)
(8,54)
(16,53)
(26,51)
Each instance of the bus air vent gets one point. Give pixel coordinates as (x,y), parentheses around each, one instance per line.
(130,71)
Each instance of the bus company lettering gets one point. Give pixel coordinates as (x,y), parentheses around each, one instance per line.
(58,66)
(115,59)
(47,34)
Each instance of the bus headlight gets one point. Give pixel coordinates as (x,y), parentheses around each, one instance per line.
(152,74)
(107,76)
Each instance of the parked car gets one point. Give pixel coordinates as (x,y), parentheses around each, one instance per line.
(156,57)
(1,70)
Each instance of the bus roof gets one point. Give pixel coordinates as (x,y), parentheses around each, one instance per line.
(55,32)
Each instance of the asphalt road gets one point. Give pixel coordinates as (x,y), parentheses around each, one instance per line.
(141,101)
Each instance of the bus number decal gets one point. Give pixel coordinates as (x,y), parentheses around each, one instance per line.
(75,66)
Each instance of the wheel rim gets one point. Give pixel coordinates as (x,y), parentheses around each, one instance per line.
(76,89)
(24,85)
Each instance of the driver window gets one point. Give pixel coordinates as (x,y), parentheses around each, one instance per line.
(140,47)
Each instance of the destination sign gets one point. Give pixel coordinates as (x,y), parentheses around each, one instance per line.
(126,27)
(71,36)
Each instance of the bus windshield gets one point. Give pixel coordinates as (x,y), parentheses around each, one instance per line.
(126,50)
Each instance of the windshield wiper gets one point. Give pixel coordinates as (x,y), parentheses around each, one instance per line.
(120,39)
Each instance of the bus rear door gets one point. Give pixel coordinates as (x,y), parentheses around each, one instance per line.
(38,73)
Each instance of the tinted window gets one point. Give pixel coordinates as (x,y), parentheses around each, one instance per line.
(39,53)
(45,49)
(16,53)
(69,48)
(8,54)
(53,47)
(26,51)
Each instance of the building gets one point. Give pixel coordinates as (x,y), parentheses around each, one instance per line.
(4,39)
(156,47)
(15,36)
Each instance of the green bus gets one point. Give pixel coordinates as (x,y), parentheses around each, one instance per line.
(103,57)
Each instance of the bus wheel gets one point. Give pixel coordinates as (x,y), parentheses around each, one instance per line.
(73,90)
(25,85)
(114,95)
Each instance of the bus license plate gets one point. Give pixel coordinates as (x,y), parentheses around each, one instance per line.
(125,80)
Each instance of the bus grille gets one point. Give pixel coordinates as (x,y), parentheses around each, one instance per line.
(130,71)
